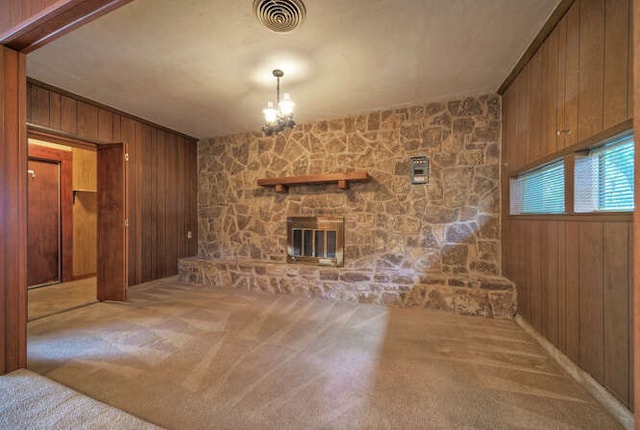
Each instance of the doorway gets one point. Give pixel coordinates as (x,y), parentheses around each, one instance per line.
(61,227)
(86,247)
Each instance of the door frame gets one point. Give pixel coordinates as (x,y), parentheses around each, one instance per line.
(65,159)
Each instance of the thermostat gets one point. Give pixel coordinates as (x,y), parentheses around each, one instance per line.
(419,170)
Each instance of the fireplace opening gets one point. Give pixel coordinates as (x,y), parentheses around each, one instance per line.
(315,240)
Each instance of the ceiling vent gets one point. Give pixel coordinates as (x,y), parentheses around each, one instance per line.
(280,16)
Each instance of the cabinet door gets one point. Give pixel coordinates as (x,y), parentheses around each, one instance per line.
(591,81)
(616,63)
(536,112)
(549,93)
(571,48)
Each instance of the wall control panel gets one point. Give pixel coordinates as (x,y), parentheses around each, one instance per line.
(419,173)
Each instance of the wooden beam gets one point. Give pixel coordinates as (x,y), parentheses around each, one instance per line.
(52,22)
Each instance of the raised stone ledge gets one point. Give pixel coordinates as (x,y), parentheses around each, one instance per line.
(468,294)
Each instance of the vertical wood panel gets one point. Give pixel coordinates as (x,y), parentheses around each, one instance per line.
(616,62)
(68,115)
(509,127)
(105,126)
(545,246)
(562,286)
(591,68)
(147,202)
(572,74)
(561,95)
(550,105)
(522,118)
(524,250)
(535,275)
(550,281)
(572,276)
(535,98)
(39,101)
(55,110)
(616,316)
(87,120)
(591,299)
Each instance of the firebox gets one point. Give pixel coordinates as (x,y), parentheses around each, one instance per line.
(316,240)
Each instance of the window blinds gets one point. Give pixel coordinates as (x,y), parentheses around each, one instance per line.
(615,175)
(540,191)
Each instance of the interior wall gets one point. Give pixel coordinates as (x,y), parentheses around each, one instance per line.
(397,235)
(573,272)
(162,175)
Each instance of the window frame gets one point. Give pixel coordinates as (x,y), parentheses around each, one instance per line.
(569,155)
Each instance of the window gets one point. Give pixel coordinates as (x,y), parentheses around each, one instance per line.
(604,178)
(539,191)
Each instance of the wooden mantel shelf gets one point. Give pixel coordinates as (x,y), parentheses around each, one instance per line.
(282,183)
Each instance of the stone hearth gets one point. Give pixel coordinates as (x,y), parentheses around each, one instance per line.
(487,296)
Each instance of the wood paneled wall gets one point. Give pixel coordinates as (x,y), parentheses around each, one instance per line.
(575,288)
(162,172)
(573,272)
(13,205)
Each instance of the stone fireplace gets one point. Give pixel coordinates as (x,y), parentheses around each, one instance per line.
(434,245)
(316,240)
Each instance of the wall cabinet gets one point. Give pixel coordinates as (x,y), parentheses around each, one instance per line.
(575,86)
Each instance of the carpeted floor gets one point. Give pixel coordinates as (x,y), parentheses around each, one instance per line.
(29,401)
(186,356)
(57,298)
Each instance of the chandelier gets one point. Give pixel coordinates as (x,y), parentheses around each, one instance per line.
(279,116)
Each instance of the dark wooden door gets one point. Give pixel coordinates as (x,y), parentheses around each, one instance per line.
(43,223)
(112,252)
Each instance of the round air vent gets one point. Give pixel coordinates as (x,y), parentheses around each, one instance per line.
(280,16)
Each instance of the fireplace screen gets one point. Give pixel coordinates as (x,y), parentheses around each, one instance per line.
(315,240)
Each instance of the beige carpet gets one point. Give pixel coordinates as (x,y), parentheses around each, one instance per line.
(29,401)
(57,298)
(193,357)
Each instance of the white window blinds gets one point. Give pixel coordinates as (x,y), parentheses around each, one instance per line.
(604,178)
(540,191)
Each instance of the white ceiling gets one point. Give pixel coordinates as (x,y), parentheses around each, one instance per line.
(203,67)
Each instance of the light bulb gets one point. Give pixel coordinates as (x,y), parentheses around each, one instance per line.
(286,105)
(270,114)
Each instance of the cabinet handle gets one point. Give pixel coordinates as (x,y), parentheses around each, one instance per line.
(566,132)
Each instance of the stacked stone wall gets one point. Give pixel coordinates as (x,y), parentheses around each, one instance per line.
(399,238)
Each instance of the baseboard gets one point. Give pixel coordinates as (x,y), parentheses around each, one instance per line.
(613,405)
